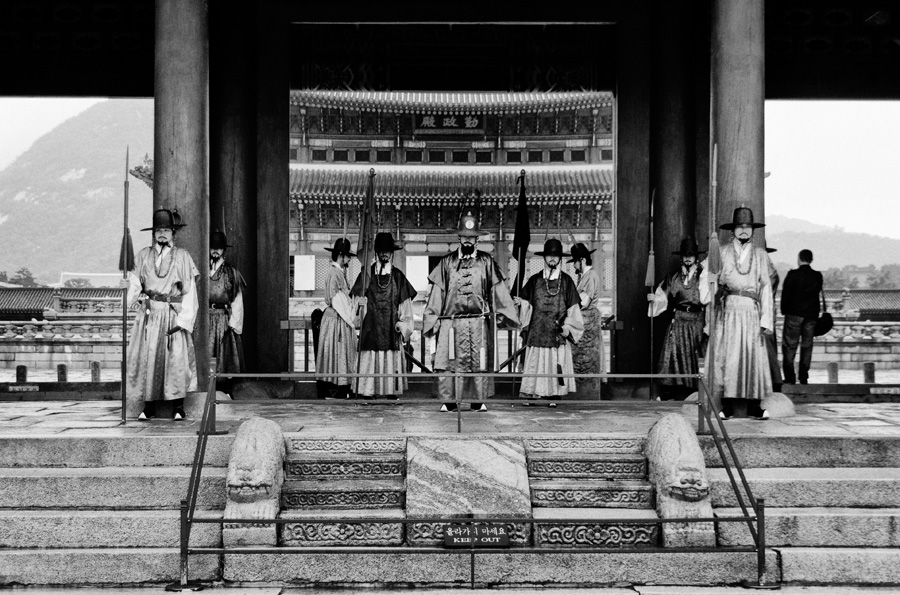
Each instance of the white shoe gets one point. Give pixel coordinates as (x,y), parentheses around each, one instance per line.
(765,414)
(551,405)
(482,407)
(142,416)
(724,417)
(444,409)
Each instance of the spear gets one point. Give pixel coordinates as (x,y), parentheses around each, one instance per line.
(364,251)
(126,263)
(650,282)
(713,267)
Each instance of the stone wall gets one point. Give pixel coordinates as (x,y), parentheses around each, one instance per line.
(44,344)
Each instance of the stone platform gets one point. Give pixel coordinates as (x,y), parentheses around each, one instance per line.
(77,484)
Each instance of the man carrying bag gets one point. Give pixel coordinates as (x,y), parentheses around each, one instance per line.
(800,306)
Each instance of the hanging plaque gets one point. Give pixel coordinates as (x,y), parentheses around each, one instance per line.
(481,535)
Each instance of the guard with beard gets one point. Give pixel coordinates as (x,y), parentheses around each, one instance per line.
(745,313)
(468,297)
(226,307)
(682,293)
(386,326)
(162,287)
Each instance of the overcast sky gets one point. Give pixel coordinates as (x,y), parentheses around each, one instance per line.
(832,162)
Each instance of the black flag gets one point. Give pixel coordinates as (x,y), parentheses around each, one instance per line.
(522,235)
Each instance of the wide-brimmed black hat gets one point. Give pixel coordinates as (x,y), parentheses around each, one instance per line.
(384,242)
(165,218)
(742,216)
(689,247)
(218,240)
(341,246)
(580,251)
(552,247)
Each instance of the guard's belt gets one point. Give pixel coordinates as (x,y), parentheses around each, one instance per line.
(219,306)
(161,297)
(753,295)
(688,308)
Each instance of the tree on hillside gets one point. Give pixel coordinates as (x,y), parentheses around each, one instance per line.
(3,277)
(77,283)
(881,280)
(835,279)
(25,278)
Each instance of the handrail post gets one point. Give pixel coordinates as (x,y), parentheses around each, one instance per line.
(212,395)
(701,405)
(761,541)
(183,584)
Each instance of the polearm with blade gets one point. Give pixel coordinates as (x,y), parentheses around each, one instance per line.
(521,239)
(364,252)
(713,268)
(650,282)
(126,263)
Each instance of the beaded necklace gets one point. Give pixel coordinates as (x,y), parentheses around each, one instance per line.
(170,257)
(737,261)
(547,285)
(378,280)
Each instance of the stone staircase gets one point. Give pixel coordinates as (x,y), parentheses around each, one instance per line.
(591,478)
(832,505)
(335,478)
(102,510)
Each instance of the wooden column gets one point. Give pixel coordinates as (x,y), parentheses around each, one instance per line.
(631,353)
(738,53)
(232,139)
(272,184)
(180,148)
(671,142)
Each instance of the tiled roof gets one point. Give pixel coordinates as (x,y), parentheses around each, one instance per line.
(880,300)
(433,184)
(451,103)
(26,299)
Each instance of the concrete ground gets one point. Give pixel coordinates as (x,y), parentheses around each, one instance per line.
(638,590)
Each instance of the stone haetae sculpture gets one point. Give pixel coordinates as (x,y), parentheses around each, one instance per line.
(678,473)
(253,484)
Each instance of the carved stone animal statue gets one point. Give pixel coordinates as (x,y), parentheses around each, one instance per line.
(253,484)
(678,473)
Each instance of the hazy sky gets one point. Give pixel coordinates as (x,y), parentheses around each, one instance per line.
(832,162)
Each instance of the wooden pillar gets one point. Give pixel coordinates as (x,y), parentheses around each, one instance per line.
(272,184)
(180,157)
(632,351)
(738,53)
(232,139)
(671,142)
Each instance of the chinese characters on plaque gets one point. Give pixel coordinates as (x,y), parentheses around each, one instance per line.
(448,122)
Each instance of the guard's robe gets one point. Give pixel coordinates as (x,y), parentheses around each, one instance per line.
(386,328)
(741,362)
(686,296)
(550,303)
(337,338)
(226,317)
(466,294)
(162,366)
(587,354)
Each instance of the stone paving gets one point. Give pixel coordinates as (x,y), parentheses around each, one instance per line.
(340,418)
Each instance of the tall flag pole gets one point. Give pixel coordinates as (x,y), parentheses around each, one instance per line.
(365,247)
(522,236)
(126,263)
(713,267)
(650,281)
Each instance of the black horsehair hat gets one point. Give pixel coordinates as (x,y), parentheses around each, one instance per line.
(689,247)
(384,242)
(580,251)
(165,218)
(342,246)
(552,247)
(742,216)
(218,240)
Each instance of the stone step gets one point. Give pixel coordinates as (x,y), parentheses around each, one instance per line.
(869,487)
(560,464)
(301,444)
(106,488)
(132,450)
(315,529)
(812,527)
(765,450)
(118,566)
(611,444)
(571,493)
(62,528)
(345,465)
(585,534)
(526,570)
(840,566)
(344,494)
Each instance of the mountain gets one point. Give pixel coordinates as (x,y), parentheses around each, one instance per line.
(61,202)
(832,247)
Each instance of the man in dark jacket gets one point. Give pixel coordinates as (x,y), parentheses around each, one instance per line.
(800,306)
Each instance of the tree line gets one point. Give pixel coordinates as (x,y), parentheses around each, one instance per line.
(25,278)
